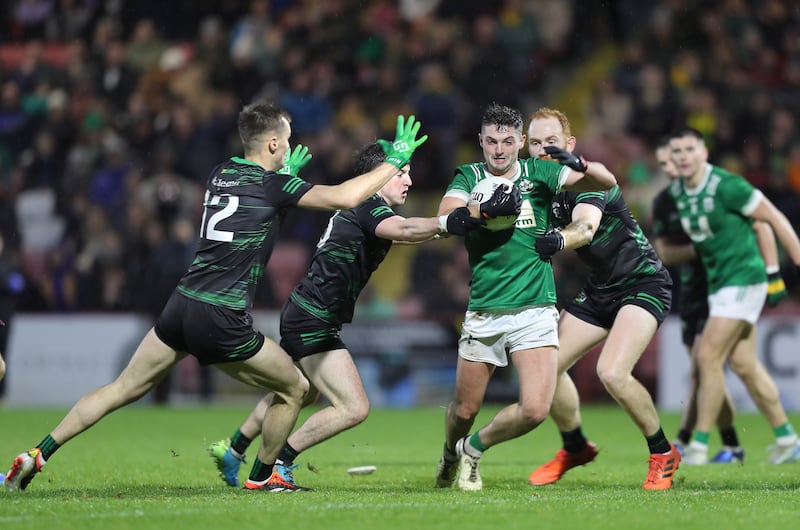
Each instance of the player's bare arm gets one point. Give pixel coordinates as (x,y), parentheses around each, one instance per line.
(766,211)
(580,232)
(672,252)
(767,244)
(350,193)
(597,177)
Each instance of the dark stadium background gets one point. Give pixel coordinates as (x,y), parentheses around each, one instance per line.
(112,112)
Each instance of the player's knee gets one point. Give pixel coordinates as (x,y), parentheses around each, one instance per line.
(356,412)
(301,388)
(742,369)
(464,412)
(296,392)
(2,367)
(534,413)
(613,380)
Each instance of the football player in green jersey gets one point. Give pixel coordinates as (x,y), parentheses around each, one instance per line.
(511,311)
(352,247)
(717,209)
(207,315)
(674,248)
(627,288)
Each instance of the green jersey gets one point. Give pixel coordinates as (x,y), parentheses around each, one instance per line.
(507,273)
(715,215)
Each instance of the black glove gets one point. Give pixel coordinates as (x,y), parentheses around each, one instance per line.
(565,158)
(501,203)
(459,222)
(550,243)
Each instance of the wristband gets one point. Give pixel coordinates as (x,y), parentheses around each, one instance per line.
(772,269)
(443,224)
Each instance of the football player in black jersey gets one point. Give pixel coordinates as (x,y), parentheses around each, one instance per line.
(207,315)
(627,288)
(351,248)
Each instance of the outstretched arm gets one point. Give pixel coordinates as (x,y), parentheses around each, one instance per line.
(585,175)
(356,190)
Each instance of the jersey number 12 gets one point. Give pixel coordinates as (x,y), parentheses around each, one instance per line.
(209,231)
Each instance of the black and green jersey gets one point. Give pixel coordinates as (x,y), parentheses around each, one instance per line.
(693,293)
(619,255)
(347,254)
(243,208)
(507,273)
(716,216)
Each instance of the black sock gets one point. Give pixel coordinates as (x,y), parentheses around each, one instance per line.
(240,442)
(729,437)
(657,443)
(574,441)
(288,454)
(260,471)
(449,454)
(48,446)
(685,436)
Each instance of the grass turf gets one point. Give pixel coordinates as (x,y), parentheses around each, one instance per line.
(146,468)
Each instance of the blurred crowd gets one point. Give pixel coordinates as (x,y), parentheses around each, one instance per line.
(113,112)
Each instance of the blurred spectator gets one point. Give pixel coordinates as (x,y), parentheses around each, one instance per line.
(146,46)
(101,106)
(437,104)
(70,19)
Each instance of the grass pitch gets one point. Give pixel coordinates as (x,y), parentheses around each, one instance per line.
(146,468)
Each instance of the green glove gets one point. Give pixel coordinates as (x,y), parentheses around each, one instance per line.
(295,160)
(776,289)
(405,142)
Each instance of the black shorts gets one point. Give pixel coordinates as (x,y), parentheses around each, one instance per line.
(303,334)
(693,314)
(211,333)
(600,308)
(692,325)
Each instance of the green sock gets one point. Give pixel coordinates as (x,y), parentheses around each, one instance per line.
(701,437)
(48,446)
(785,430)
(475,442)
(260,471)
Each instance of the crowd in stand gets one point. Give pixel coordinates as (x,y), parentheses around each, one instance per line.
(112,115)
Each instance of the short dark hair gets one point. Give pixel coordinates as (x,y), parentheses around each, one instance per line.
(502,116)
(368,158)
(662,141)
(683,132)
(256,120)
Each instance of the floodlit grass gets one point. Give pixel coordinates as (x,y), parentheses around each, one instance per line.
(146,467)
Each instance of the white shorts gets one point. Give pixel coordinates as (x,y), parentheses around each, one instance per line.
(741,303)
(490,337)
